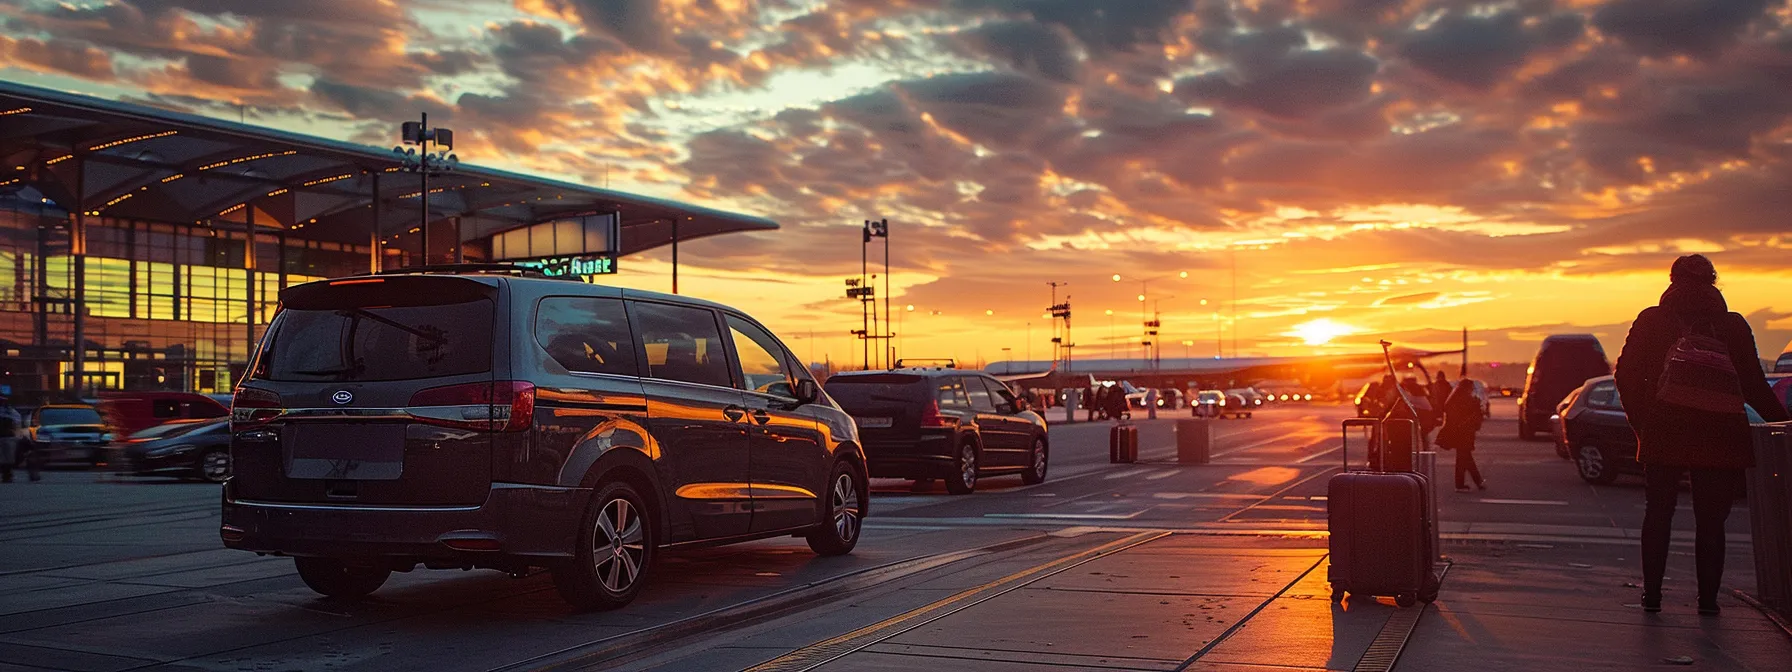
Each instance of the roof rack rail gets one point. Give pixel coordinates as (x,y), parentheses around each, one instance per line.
(472,268)
(937,362)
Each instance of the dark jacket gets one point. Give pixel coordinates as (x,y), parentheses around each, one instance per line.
(1682,437)
(1462,418)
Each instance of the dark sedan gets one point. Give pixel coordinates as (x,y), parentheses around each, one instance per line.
(198,449)
(1597,435)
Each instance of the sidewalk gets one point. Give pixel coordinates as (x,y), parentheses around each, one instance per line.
(1252,604)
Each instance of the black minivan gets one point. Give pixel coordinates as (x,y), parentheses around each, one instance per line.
(943,423)
(1563,363)
(499,420)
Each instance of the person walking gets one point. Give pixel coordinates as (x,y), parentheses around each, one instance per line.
(1117,405)
(1462,419)
(1687,368)
(9,442)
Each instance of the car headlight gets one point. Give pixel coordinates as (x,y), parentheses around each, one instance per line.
(1555,417)
(107,437)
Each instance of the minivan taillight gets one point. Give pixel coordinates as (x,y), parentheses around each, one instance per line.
(502,406)
(252,404)
(930,416)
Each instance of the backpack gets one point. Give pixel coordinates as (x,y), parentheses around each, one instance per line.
(1699,374)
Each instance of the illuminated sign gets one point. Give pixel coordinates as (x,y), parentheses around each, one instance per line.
(579,265)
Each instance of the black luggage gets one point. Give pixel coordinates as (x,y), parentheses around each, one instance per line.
(1123,444)
(1380,528)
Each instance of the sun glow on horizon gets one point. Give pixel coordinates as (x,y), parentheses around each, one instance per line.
(1320,331)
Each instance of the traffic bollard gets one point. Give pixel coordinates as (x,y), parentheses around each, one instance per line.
(1194,441)
(1071,397)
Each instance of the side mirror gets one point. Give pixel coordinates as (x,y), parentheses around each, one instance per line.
(807,391)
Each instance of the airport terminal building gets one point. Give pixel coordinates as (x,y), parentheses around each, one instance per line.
(159,241)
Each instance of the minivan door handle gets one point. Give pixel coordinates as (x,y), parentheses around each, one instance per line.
(733,413)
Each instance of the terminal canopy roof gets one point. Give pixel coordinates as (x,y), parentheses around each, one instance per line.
(132,161)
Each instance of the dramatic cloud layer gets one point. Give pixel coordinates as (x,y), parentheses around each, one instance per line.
(1523,166)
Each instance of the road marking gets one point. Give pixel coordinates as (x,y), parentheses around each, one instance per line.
(1533,502)
(1214,495)
(1125,474)
(1069,516)
(1158,477)
(1319,454)
(821,653)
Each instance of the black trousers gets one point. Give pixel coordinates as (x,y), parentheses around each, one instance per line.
(1713,493)
(1465,467)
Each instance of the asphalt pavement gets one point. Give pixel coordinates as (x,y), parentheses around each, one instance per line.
(1147,566)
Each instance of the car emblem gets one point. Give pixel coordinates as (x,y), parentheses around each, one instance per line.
(342,397)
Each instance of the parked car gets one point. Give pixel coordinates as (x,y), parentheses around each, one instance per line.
(1252,397)
(1208,404)
(1563,362)
(954,425)
(129,412)
(1555,420)
(197,449)
(1597,434)
(1237,406)
(1784,363)
(65,434)
(483,418)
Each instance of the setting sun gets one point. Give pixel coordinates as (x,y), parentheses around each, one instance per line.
(1320,331)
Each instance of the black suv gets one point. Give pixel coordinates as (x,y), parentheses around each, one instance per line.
(1563,363)
(943,423)
(458,419)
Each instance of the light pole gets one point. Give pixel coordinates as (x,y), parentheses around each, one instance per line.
(1111,342)
(424,163)
(1185,345)
(1145,289)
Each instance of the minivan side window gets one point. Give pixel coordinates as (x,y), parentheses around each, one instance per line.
(951,394)
(980,401)
(999,393)
(586,334)
(762,364)
(681,343)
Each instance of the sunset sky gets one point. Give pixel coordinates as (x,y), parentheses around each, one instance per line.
(1371,168)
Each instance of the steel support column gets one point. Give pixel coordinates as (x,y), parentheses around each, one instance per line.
(78,253)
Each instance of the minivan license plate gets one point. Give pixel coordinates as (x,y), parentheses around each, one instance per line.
(873,423)
(367,452)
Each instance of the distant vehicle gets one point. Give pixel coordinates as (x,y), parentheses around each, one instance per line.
(1784,363)
(1563,362)
(943,423)
(66,434)
(1168,398)
(197,449)
(1208,404)
(130,412)
(1236,406)
(1555,422)
(1252,397)
(1135,396)
(480,416)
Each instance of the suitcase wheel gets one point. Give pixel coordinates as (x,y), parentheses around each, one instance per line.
(1338,591)
(1405,600)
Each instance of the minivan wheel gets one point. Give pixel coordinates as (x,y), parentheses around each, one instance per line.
(1035,474)
(616,548)
(1525,433)
(1593,466)
(214,466)
(334,578)
(845,514)
(963,479)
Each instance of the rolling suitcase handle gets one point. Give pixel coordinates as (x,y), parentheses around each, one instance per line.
(1371,424)
(1379,432)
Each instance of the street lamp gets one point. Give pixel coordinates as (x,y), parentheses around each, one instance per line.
(425,163)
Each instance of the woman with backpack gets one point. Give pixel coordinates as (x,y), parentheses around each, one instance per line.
(1462,419)
(1688,367)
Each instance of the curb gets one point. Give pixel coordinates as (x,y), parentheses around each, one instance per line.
(1765,610)
(599,651)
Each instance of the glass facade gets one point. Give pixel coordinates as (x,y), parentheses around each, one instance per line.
(167,305)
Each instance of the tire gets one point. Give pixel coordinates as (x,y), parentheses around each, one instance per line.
(334,578)
(1525,433)
(843,510)
(616,550)
(1593,466)
(1035,474)
(213,466)
(1406,600)
(963,479)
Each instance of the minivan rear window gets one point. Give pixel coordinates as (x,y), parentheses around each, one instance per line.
(380,343)
(862,391)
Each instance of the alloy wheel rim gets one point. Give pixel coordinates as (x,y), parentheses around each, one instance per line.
(215,465)
(1591,464)
(846,508)
(1038,459)
(619,546)
(968,465)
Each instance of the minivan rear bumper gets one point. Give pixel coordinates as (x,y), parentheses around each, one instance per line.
(927,456)
(527,521)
